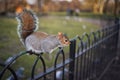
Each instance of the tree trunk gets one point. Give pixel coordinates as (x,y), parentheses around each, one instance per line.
(115,7)
(105,6)
(101,7)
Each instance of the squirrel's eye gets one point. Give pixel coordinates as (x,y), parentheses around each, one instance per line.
(66,40)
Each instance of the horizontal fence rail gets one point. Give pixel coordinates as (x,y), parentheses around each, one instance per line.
(89,57)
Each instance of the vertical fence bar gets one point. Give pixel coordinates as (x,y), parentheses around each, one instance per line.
(61,52)
(72,58)
(39,58)
(33,68)
(117,21)
(77,64)
(88,56)
(81,60)
(78,61)
(44,66)
(93,69)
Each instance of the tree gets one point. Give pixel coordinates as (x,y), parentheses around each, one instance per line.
(105,6)
(115,6)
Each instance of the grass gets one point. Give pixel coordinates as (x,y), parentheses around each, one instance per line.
(11,45)
(88,15)
(69,26)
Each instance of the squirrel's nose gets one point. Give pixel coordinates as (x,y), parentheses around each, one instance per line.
(68,43)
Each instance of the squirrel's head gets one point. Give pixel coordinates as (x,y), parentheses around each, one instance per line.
(64,40)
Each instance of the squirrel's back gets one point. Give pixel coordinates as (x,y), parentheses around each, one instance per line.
(27,23)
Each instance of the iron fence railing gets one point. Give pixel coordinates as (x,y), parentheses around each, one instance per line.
(89,57)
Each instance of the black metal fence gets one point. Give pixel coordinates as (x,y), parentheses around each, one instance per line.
(89,57)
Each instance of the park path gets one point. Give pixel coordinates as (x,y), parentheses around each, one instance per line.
(99,22)
(102,22)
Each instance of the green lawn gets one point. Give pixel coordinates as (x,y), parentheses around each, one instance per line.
(87,15)
(10,43)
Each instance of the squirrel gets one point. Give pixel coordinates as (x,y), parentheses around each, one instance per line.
(36,41)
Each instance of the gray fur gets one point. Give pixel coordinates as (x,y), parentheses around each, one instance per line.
(46,45)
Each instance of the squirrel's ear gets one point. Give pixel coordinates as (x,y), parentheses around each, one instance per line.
(60,33)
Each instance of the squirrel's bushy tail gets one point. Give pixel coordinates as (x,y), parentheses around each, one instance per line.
(27,23)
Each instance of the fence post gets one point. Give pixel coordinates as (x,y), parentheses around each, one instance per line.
(117,21)
(72,59)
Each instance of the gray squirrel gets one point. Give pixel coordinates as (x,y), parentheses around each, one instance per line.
(36,41)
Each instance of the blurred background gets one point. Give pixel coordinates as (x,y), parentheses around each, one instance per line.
(73,17)
(8,7)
